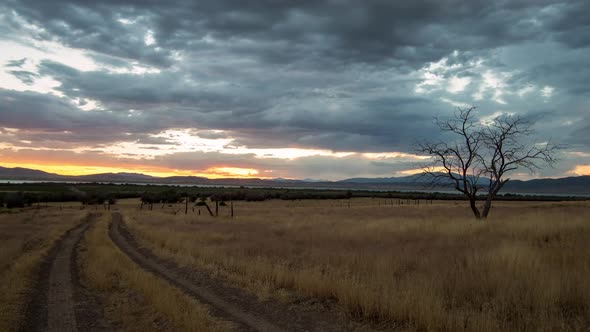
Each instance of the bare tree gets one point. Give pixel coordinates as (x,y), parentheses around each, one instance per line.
(477,162)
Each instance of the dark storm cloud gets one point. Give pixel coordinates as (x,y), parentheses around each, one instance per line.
(571,25)
(308,31)
(580,137)
(43,118)
(121,92)
(377,125)
(250,110)
(89,25)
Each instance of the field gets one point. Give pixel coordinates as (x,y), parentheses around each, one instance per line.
(318,265)
(26,237)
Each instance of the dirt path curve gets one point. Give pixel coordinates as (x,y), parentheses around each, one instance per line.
(229,303)
(244,320)
(53,307)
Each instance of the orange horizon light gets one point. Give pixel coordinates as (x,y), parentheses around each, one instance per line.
(581,170)
(77,170)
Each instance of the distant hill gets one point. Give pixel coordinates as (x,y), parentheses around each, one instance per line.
(579,185)
(25,174)
(570,185)
(117,177)
(416,178)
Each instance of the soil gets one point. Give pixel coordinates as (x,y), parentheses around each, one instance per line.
(59,302)
(90,316)
(236,305)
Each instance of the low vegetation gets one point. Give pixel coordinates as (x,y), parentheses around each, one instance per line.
(425,267)
(137,300)
(26,238)
(19,195)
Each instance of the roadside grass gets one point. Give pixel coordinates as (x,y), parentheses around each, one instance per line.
(26,238)
(427,267)
(135,299)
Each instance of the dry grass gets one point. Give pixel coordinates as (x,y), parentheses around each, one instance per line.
(135,299)
(26,238)
(428,267)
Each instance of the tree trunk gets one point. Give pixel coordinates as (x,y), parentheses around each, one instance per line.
(473,205)
(486,207)
(209,209)
(491,196)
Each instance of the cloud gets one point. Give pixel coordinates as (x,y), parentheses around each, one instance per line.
(358,117)
(41,117)
(343,76)
(305,31)
(16,63)
(26,77)
(197,162)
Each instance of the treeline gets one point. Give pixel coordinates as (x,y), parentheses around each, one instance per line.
(21,195)
(243,194)
(263,194)
(24,199)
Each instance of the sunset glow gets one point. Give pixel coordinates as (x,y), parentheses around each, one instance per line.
(581,170)
(232,172)
(212,173)
(419,170)
(88,170)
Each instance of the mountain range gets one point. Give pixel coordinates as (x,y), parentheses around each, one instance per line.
(578,185)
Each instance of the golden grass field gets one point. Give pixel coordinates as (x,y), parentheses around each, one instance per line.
(420,267)
(428,267)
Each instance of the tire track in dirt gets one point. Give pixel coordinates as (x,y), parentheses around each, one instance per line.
(89,308)
(53,307)
(229,303)
(241,318)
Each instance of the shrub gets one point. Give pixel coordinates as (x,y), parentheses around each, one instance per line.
(14,200)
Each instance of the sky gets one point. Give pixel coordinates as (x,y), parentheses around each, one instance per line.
(307,89)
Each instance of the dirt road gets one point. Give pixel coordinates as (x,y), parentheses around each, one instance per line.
(54,305)
(229,303)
